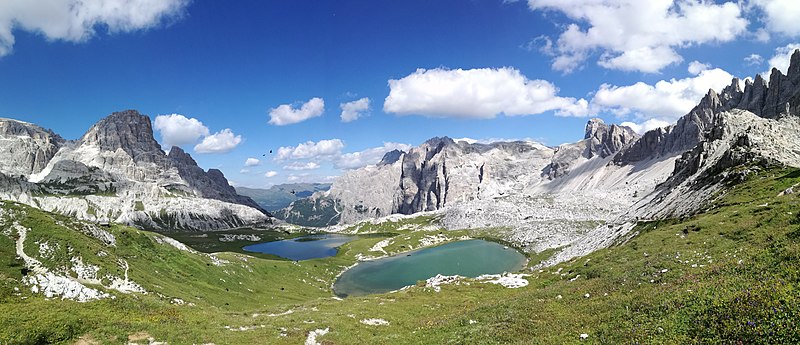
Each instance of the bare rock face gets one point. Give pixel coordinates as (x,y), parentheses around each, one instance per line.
(118,172)
(211,184)
(780,97)
(438,173)
(26,148)
(600,140)
(128,131)
(680,137)
(391,157)
(605,140)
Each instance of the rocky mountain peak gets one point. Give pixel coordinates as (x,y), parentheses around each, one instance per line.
(606,140)
(794,68)
(439,141)
(26,147)
(391,157)
(732,94)
(593,126)
(127,130)
(178,155)
(710,101)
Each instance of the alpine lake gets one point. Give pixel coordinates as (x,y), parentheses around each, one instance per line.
(468,258)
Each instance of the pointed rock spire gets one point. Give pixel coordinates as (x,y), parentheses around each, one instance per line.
(794,68)
(732,94)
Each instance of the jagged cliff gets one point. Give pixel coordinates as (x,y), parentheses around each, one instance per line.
(727,136)
(117,172)
(26,148)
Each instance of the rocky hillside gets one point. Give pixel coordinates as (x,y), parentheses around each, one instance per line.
(117,172)
(586,194)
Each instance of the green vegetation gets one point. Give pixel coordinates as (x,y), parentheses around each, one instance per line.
(729,275)
(212,241)
(325,212)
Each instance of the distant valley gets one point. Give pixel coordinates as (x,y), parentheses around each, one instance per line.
(282,195)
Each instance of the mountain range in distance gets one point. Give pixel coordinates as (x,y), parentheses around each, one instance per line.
(281,195)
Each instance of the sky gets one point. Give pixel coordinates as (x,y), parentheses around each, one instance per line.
(329,86)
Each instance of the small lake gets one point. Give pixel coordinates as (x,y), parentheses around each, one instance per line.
(303,248)
(469,258)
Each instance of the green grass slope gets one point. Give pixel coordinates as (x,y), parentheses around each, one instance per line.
(728,275)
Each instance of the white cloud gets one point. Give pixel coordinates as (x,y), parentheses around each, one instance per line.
(645,126)
(638,35)
(270,174)
(355,160)
(351,111)
(495,140)
(244,171)
(695,67)
(321,149)
(301,166)
(77,20)
(781,59)
(781,15)
(285,114)
(667,100)
(220,142)
(754,59)
(481,93)
(251,162)
(178,130)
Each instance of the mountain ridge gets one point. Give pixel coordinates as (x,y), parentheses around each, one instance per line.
(546,196)
(119,173)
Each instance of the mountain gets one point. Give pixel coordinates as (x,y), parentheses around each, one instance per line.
(584,195)
(279,196)
(118,172)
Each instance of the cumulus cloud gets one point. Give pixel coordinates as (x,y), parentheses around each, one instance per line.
(638,35)
(78,20)
(695,67)
(178,130)
(351,111)
(220,142)
(781,59)
(667,99)
(754,59)
(270,174)
(251,162)
(781,15)
(286,114)
(310,149)
(645,126)
(301,166)
(481,93)
(244,171)
(355,160)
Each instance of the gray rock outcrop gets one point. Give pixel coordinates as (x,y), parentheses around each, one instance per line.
(26,148)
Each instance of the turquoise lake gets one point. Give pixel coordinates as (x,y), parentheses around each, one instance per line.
(303,248)
(469,258)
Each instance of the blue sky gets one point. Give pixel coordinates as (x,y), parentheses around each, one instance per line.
(492,69)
